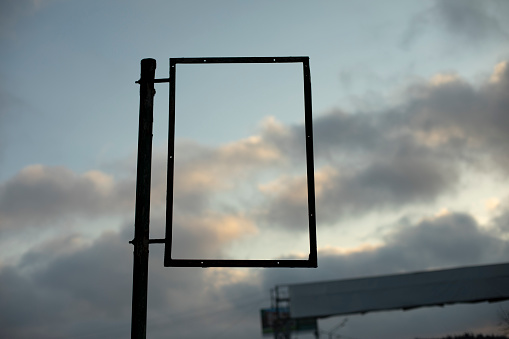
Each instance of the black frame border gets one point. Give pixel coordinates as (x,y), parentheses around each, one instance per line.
(312,259)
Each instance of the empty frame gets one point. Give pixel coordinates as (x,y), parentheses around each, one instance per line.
(206,161)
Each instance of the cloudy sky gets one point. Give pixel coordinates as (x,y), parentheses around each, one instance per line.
(411,121)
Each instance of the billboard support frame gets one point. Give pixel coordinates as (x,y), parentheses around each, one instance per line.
(141,240)
(311,261)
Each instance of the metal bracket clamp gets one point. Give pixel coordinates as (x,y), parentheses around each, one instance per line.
(154,81)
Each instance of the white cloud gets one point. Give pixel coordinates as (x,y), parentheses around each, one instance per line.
(208,235)
(445,78)
(499,72)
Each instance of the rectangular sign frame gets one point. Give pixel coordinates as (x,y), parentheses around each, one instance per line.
(312,258)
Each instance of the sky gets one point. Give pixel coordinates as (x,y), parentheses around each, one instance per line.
(410,122)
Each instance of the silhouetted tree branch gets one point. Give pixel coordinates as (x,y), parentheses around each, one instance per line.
(504,320)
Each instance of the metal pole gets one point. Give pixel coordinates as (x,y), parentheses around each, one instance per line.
(142,214)
(277,323)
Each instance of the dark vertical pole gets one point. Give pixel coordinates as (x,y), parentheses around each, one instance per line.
(142,214)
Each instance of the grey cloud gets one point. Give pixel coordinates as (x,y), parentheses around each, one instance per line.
(443,106)
(86,275)
(86,290)
(472,122)
(50,297)
(412,153)
(345,133)
(39,195)
(474,22)
(375,169)
(399,180)
(500,222)
(450,240)
(386,184)
(30,312)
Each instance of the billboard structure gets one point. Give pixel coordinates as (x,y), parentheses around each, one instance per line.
(404,291)
(170,259)
(141,240)
(278,320)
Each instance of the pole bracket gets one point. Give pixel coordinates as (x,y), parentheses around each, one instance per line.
(156,241)
(150,241)
(153,80)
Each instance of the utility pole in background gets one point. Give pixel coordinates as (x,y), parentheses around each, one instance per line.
(142,213)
